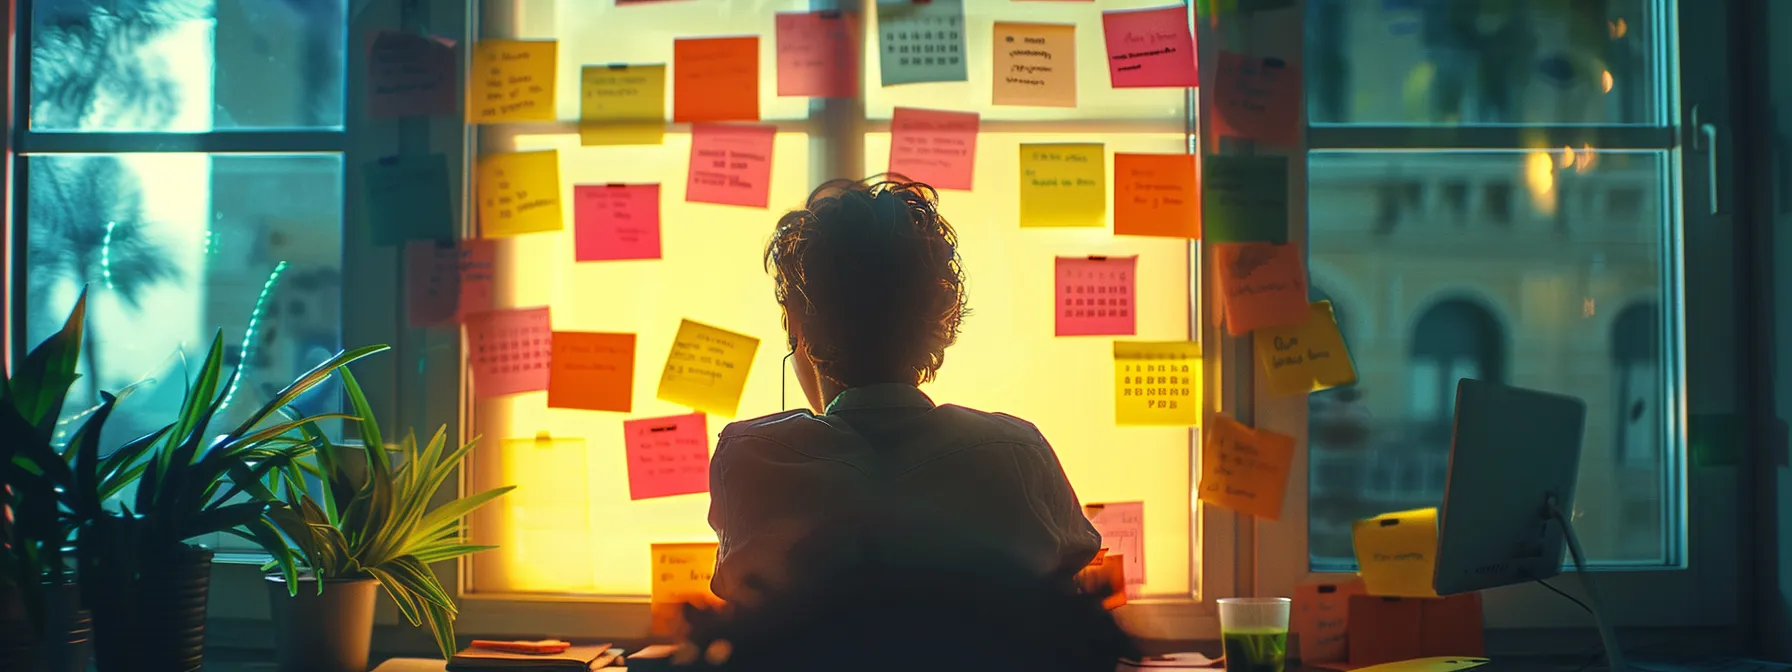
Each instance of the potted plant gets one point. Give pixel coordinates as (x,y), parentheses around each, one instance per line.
(364,519)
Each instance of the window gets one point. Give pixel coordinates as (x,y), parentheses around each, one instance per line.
(1636,363)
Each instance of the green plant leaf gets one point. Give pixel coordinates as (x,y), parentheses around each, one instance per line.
(441,624)
(303,383)
(434,553)
(379,466)
(87,456)
(407,602)
(116,468)
(449,515)
(39,382)
(419,580)
(220,519)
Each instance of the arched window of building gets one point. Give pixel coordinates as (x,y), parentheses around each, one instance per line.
(1636,369)
(1454,339)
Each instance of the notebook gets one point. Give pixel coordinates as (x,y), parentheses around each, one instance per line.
(574,659)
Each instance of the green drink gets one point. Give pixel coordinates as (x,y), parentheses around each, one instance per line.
(1255,650)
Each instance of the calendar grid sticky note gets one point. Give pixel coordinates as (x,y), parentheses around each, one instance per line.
(1157,383)
(921,42)
(509,351)
(1096,296)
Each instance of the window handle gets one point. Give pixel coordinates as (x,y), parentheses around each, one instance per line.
(1708,133)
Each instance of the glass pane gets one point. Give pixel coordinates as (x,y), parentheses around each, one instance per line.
(1452,62)
(1549,289)
(187,65)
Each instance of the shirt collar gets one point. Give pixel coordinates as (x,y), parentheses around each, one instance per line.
(882,395)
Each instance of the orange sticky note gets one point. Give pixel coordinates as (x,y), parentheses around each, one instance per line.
(715,79)
(1264,285)
(1245,469)
(511,81)
(681,574)
(592,371)
(1321,620)
(1035,64)
(1257,98)
(1156,195)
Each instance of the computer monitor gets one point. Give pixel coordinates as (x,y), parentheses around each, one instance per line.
(1514,454)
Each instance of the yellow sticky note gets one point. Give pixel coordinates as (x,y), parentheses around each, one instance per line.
(622,105)
(1063,185)
(681,572)
(511,81)
(1307,357)
(548,538)
(1157,383)
(707,369)
(1397,553)
(1245,469)
(519,193)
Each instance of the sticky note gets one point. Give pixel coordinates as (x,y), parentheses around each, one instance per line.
(1245,469)
(509,350)
(715,79)
(447,280)
(616,221)
(622,104)
(592,371)
(1257,98)
(410,76)
(1035,64)
(1150,48)
(549,537)
(407,198)
(707,368)
(731,164)
(1306,357)
(1393,634)
(1246,199)
(1396,553)
(1096,296)
(511,81)
(1106,572)
(1157,383)
(1156,195)
(936,147)
(1122,528)
(1321,620)
(681,572)
(519,193)
(818,54)
(921,42)
(667,456)
(1063,185)
(1262,285)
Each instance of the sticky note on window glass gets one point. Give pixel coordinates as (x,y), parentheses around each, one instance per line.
(1257,98)
(616,221)
(1063,185)
(935,147)
(818,54)
(622,105)
(1150,48)
(1122,528)
(549,536)
(707,368)
(509,351)
(1396,553)
(519,193)
(511,81)
(1306,357)
(1096,296)
(1157,383)
(715,79)
(1156,195)
(447,280)
(1035,64)
(410,75)
(1263,285)
(681,572)
(407,198)
(731,164)
(1321,620)
(921,42)
(1246,199)
(592,371)
(667,456)
(1245,469)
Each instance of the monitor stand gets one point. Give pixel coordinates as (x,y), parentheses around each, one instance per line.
(1608,639)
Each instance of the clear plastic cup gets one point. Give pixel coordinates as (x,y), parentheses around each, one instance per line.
(1255,633)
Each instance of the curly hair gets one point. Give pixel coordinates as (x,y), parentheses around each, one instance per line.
(870,273)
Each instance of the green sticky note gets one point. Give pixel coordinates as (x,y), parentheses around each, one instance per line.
(1244,199)
(1714,439)
(407,198)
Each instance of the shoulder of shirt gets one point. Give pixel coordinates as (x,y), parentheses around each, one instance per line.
(1000,428)
(775,423)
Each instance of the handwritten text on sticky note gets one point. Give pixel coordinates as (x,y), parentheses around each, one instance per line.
(715,79)
(1035,64)
(410,75)
(622,104)
(682,572)
(1245,469)
(707,368)
(1263,285)
(667,456)
(818,54)
(1306,357)
(407,198)
(1397,553)
(1257,98)
(921,42)
(1122,529)
(1150,48)
(731,164)
(509,351)
(1246,199)
(511,81)
(1157,383)
(592,371)
(1156,195)
(1063,185)
(1096,296)
(616,221)
(519,193)
(447,280)
(933,146)
(1321,620)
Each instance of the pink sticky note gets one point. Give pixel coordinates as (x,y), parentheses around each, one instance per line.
(731,164)
(410,75)
(1257,98)
(1122,528)
(1095,296)
(667,456)
(447,280)
(817,54)
(509,351)
(1150,48)
(1321,620)
(616,221)
(933,146)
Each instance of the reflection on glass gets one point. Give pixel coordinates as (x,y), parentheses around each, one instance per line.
(187,65)
(1539,269)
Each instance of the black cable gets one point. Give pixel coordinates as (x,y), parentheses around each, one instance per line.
(1570,598)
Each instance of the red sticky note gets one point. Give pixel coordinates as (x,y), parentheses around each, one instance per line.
(509,351)
(592,371)
(731,164)
(1321,620)
(1095,296)
(934,146)
(1263,284)
(715,79)
(1150,48)
(447,280)
(1156,195)
(1257,98)
(818,54)
(410,75)
(667,456)
(1122,528)
(616,221)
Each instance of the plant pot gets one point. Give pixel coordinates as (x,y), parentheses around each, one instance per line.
(330,631)
(63,645)
(154,620)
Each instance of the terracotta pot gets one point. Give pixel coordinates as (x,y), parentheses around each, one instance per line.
(330,631)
